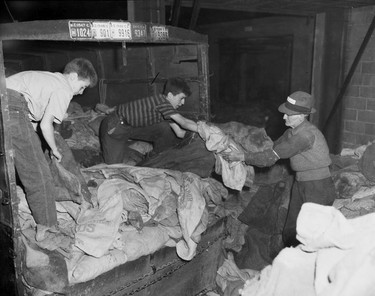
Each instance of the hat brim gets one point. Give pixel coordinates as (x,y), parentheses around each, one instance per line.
(283,109)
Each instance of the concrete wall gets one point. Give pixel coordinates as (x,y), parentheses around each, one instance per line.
(359,98)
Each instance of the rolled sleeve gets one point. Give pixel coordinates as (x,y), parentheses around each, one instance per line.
(292,145)
(262,159)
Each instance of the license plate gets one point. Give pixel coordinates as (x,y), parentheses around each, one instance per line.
(110,30)
(121,31)
(139,31)
(159,33)
(80,30)
(101,30)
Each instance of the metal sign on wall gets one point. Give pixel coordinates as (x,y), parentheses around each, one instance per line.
(109,30)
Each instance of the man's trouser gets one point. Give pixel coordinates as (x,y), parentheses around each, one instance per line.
(318,191)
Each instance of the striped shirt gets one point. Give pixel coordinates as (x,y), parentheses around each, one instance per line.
(146,111)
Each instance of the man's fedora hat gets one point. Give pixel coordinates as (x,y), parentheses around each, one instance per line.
(298,102)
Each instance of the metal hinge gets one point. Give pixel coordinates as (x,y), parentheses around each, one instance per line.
(5,201)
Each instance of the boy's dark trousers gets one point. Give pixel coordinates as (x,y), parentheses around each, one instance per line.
(30,162)
(115,136)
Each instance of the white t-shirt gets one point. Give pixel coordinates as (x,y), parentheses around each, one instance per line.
(41,89)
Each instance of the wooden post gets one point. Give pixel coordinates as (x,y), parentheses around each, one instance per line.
(152,11)
(194,14)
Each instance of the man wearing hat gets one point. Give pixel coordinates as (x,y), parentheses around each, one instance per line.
(308,152)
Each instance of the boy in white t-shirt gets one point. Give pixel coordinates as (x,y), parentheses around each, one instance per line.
(41,98)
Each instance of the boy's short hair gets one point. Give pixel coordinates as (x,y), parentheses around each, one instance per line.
(176,86)
(84,69)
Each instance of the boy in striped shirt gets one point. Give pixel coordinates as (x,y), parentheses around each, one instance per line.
(153,119)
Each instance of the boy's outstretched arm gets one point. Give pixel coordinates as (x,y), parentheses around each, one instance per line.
(185,123)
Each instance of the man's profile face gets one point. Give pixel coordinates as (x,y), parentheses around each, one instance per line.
(176,100)
(293,120)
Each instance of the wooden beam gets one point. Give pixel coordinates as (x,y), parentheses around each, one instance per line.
(60,30)
(176,12)
(295,7)
(194,14)
(152,11)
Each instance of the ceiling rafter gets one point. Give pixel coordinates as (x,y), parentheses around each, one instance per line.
(292,7)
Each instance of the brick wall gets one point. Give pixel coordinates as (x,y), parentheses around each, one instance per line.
(359,99)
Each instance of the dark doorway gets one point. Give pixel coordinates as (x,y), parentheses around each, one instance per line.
(254,80)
